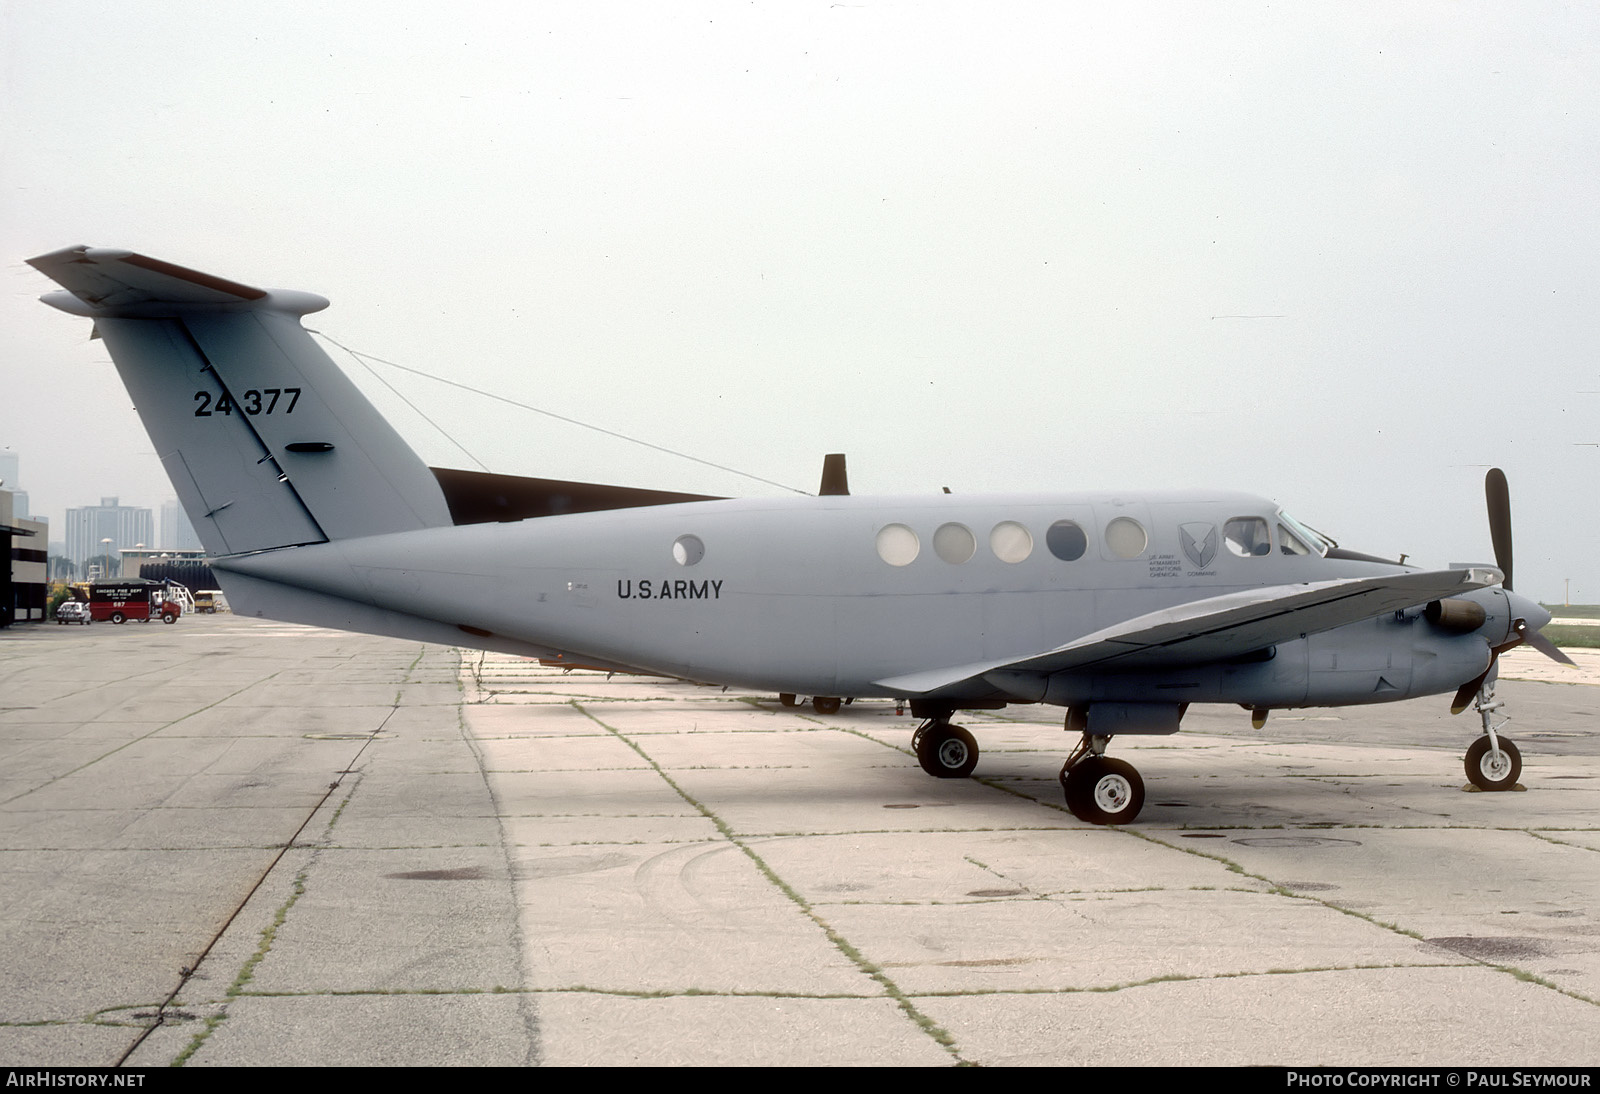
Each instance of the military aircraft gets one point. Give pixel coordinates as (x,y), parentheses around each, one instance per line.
(1123,608)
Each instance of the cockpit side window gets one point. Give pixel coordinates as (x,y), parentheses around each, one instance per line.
(1289,543)
(1247,537)
(1315,542)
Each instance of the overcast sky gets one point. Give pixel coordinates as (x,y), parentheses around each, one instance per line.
(1343,255)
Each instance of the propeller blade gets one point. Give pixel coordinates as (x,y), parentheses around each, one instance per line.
(1468,691)
(1543,644)
(1498,495)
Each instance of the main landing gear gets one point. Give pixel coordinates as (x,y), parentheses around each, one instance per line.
(1493,762)
(945,751)
(1099,789)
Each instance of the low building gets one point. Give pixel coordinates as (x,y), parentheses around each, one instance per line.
(24,590)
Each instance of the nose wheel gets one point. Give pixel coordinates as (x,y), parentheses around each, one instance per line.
(1493,762)
(1492,768)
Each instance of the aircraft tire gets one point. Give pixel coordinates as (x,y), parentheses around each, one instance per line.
(787,699)
(1101,790)
(1489,770)
(825,704)
(118,617)
(947,752)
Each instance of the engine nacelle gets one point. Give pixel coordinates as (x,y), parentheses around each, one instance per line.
(1390,657)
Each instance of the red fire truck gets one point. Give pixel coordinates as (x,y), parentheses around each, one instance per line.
(132,598)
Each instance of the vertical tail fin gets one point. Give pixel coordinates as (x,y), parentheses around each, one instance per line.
(268,444)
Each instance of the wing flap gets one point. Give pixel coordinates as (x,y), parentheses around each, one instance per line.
(1220,627)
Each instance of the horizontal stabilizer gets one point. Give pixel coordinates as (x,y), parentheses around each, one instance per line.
(121,283)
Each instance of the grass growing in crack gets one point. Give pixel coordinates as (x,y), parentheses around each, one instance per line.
(247,971)
(269,933)
(198,1039)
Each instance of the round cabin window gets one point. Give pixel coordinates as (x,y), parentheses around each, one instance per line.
(687,550)
(1010,541)
(898,545)
(1126,537)
(954,543)
(1066,540)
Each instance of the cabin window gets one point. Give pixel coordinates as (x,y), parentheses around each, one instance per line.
(687,550)
(1247,536)
(954,543)
(898,545)
(1066,540)
(1290,544)
(1126,537)
(1010,541)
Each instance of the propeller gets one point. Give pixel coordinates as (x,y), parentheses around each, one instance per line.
(1498,496)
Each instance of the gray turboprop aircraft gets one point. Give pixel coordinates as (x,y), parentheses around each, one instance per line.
(1122,608)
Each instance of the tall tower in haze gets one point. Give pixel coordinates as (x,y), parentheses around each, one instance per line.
(89,528)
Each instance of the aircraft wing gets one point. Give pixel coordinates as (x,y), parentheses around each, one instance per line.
(1219,627)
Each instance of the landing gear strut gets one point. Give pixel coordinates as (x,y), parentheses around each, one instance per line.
(945,751)
(1099,789)
(1493,762)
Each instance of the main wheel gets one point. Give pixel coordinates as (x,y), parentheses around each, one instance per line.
(1491,770)
(118,617)
(947,752)
(787,699)
(825,704)
(1101,790)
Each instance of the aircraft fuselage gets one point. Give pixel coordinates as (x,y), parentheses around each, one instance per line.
(812,596)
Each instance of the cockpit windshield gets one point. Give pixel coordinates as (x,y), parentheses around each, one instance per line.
(1295,538)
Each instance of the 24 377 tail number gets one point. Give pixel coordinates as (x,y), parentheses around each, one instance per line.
(252,402)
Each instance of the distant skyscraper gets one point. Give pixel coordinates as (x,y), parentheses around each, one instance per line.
(9,472)
(88,528)
(177,534)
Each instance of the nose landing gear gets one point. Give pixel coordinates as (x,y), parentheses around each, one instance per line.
(1493,762)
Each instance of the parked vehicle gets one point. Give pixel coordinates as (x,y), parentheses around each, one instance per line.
(73,611)
(209,601)
(132,598)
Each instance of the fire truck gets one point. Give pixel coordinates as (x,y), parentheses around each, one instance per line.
(132,598)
